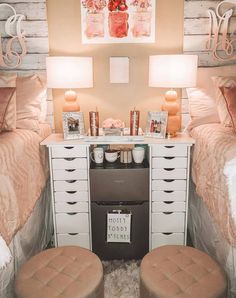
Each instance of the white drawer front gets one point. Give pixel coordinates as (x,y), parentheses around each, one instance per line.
(169,184)
(168,206)
(168,222)
(160,239)
(70,163)
(71,207)
(71,196)
(169,162)
(71,185)
(169,173)
(69,151)
(81,240)
(72,223)
(170,150)
(169,195)
(70,174)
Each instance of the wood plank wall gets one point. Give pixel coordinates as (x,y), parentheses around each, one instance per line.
(35,28)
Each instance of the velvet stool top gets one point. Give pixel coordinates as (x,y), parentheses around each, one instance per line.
(181,271)
(69,271)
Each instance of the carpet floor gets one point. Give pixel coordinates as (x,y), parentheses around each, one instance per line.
(121,279)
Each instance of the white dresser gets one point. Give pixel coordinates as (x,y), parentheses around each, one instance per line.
(169,161)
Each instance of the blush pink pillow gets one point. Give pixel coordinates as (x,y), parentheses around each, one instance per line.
(229,94)
(7,109)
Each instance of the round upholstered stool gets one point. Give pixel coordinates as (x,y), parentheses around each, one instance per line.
(69,271)
(181,271)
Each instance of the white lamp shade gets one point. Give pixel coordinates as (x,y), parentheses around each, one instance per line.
(173,71)
(69,72)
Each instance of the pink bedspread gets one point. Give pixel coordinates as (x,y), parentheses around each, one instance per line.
(215,146)
(23,173)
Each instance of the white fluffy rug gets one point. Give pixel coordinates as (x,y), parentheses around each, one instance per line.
(121,279)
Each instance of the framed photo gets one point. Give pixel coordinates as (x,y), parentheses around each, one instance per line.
(73,125)
(156,124)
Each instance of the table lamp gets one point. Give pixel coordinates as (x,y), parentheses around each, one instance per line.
(172,71)
(68,73)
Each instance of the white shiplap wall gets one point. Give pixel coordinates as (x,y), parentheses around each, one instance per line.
(35,29)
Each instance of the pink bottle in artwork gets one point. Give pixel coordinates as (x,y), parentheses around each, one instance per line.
(118,18)
(141,18)
(94,18)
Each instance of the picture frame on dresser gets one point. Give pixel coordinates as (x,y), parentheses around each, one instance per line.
(73,125)
(156,124)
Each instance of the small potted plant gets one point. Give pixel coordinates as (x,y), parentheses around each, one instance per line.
(141,18)
(118,18)
(94,17)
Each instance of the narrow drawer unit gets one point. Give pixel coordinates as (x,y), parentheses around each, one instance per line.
(71,207)
(168,206)
(169,162)
(81,239)
(69,151)
(72,223)
(70,196)
(70,174)
(169,195)
(168,222)
(169,173)
(169,184)
(170,150)
(71,185)
(160,239)
(69,163)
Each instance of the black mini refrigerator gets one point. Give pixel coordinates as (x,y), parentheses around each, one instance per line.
(120,210)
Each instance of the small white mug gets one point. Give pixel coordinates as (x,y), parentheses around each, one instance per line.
(138,154)
(111,155)
(97,155)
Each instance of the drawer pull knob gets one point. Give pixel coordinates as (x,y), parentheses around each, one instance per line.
(70,158)
(73,234)
(68,147)
(167,234)
(69,170)
(168,191)
(167,213)
(168,202)
(71,203)
(169,180)
(169,157)
(169,169)
(71,213)
(169,147)
(71,192)
(70,181)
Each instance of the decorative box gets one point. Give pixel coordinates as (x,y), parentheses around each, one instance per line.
(113,131)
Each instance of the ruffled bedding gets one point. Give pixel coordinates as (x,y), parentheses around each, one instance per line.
(214,174)
(23,174)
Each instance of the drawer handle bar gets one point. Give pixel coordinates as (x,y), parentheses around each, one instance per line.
(168,202)
(70,181)
(71,203)
(70,158)
(169,157)
(168,191)
(71,213)
(169,147)
(73,234)
(167,234)
(169,180)
(68,147)
(167,213)
(69,170)
(169,169)
(71,192)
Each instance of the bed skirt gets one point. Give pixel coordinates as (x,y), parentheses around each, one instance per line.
(32,238)
(206,236)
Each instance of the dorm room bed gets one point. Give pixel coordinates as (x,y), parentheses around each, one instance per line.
(212,202)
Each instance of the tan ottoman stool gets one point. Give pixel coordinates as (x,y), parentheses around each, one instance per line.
(69,271)
(181,271)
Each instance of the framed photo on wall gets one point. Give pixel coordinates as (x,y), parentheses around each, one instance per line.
(156,124)
(73,125)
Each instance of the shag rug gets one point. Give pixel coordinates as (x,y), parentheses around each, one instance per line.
(121,279)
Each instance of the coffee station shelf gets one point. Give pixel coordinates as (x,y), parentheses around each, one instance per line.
(119,165)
